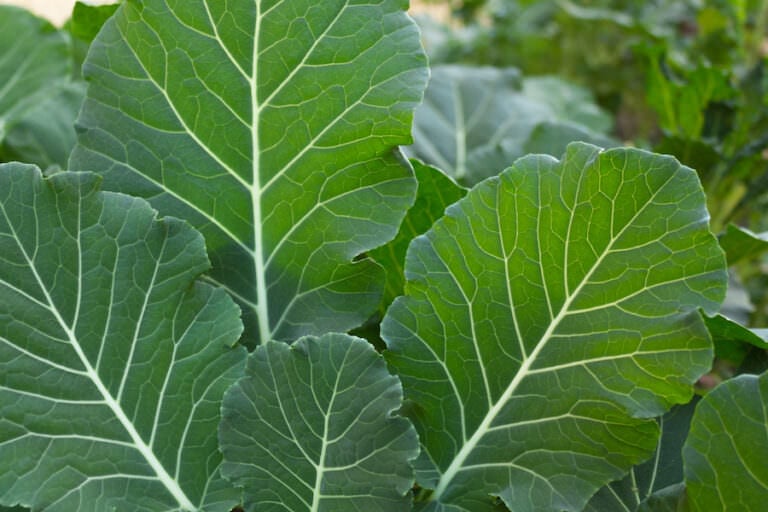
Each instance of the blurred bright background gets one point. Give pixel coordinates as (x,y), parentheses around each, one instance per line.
(57,11)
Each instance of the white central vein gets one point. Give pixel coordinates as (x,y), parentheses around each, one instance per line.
(162,475)
(259,258)
(458,463)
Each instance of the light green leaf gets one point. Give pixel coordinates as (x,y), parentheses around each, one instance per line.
(115,360)
(272,127)
(38,103)
(548,317)
(476,120)
(436,192)
(727,447)
(312,426)
(570,103)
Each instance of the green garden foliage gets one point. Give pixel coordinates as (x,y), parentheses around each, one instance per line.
(204,205)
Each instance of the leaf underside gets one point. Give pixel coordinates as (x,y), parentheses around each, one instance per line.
(548,317)
(114,359)
(272,127)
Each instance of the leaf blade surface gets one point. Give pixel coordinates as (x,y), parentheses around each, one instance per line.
(312,427)
(117,359)
(272,128)
(724,455)
(547,317)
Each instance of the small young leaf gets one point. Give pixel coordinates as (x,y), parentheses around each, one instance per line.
(114,359)
(548,317)
(726,451)
(312,427)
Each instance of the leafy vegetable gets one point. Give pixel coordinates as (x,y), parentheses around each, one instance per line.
(272,128)
(726,450)
(312,427)
(115,360)
(548,316)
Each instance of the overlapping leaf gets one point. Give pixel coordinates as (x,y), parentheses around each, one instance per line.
(114,360)
(656,484)
(727,447)
(312,428)
(38,101)
(272,127)
(436,192)
(548,317)
(476,120)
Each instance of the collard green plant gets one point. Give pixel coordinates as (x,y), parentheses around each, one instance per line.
(114,358)
(264,123)
(547,318)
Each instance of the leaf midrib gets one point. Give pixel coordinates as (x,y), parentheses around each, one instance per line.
(466,450)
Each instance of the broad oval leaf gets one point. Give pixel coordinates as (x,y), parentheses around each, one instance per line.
(312,427)
(272,127)
(114,359)
(548,317)
(725,453)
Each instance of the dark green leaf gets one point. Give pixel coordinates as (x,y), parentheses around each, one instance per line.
(741,244)
(435,193)
(475,121)
(38,104)
(727,448)
(312,427)
(114,359)
(656,484)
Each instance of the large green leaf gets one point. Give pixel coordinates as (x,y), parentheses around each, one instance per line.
(312,427)
(727,447)
(548,317)
(476,120)
(38,103)
(272,127)
(114,359)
